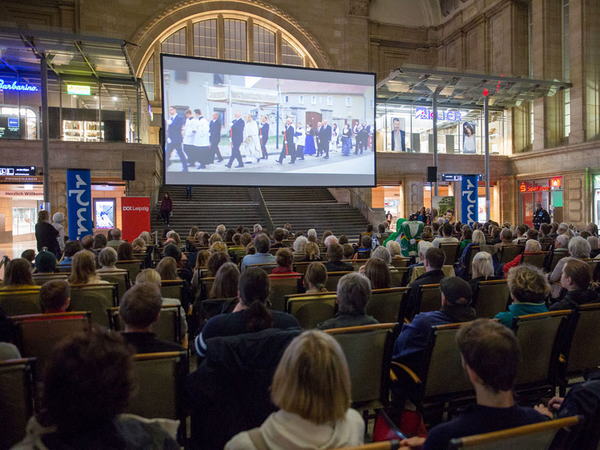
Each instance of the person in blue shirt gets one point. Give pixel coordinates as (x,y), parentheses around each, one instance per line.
(529,289)
(491,357)
(262,244)
(71,248)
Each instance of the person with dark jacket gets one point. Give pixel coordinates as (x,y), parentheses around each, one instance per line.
(250,314)
(264,137)
(576,277)
(166,208)
(237,137)
(140,310)
(215,137)
(540,216)
(335,253)
(175,124)
(353,294)
(46,234)
(434,261)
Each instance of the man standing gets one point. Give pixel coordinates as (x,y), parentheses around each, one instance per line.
(364,137)
(215,137)
(189,135)
(175,138)
(300,138)
(326,139)
(288,142)
(237,137)
(398,136)
(540,216)
(202,140)
(264,137)
(318,136)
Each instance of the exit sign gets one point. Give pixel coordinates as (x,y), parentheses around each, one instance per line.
(77,89)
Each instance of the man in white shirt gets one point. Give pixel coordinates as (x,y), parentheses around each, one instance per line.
(300,138)
(447,236)
(189,134)
(251,139)
(202,140)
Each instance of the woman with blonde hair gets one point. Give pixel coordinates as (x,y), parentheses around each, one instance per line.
(175,236)
(167,268)
(17,275)
(312,388)
(218,247)
(83,269)
(201,263)
(139,245)
(378,273)
(146,236)
(315,278)
(529,289)
(299,248)
(312,252)
(394,249)
(483,269)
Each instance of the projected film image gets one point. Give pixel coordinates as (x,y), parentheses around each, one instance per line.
(246,124)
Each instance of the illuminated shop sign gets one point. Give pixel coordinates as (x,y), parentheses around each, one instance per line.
(526,187)
(427,114)
(556,182)
(14,86)
(77,89)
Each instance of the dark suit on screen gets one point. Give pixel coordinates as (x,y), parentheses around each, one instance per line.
(325,139)
(288,145)
(175,138)
(215,138)
(264,137)
(237,137)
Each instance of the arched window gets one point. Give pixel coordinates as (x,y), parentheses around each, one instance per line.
(227,36)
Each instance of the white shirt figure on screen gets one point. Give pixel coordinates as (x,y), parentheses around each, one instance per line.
(189,130)
(202,138)
(252,139)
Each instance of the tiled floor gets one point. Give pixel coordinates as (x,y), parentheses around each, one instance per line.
(14,250)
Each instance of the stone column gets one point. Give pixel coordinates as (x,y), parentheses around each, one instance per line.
(355,46)
(576,199)
(413,194)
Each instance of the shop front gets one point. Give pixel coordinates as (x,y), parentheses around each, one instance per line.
(546,191)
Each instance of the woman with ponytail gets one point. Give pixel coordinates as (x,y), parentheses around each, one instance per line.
(250,315)
(315,278)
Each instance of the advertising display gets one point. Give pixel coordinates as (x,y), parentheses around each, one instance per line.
(104,213)
(79,206)
(469,143)
(135,216)
(444,206)
(470,206)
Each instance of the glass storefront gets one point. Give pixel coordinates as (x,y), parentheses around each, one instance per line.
(460,131)
(546,191)
(24,219)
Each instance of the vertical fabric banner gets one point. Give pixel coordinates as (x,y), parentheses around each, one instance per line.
(79,203)
(135,216)
(469,199)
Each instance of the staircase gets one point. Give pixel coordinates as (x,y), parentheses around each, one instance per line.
(209,207)
(303,208)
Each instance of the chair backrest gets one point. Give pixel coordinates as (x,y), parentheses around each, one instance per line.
(17,302)
(385,445)
(301,267)
(121,279)
(490,298)
(160,378)
(63,268)
(168,327)
(171,288)
(356,263)
(94,298)
(134,267)
(368,350)
(41,278)
(443,374)
(583,353)
(266,267)
(538,436)
(420,270)
(537,259)
(281,286)
(508,253)
(554,258)
(37,334)
(385,305)
(430,298)
(398,276)
(539,336)
(451,251)
(17,382)
(473,250)
(311,309)
(333,279)
(400,262)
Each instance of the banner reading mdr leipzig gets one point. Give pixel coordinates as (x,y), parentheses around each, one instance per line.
(79,203)
(469,199)
(135,216)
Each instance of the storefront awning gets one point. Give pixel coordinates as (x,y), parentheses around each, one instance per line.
(416,85)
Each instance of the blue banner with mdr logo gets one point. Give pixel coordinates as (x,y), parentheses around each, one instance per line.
(79,204)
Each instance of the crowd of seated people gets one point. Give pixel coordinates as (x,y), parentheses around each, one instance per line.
(223,258)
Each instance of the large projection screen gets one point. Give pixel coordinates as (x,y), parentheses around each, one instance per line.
(240,124)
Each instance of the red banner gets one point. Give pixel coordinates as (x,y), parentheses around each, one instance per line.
(135,216)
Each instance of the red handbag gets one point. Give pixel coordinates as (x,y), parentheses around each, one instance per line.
(398,425)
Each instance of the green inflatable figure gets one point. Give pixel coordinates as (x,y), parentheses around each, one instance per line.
(410,237)
(396,235)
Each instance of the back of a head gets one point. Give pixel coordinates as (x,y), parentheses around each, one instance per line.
(284,257)
(312,379)
(173,251)
(140,305)
(18,273)
(58,217)
(478,237)
(435,257)
(483,266)
(28,254)
(370,228)
(125,252)
(383,254)
(149,276)
(456,291)
(381,228)
(99,241)
(394,248)
(528,284)
(45,262)
(378,272)
(216,260)
(335,252)
(116,234)
(579,247)
(348,251)
(87,242)
(43,216)
(226,281)
(343,239)
(278,235)
(300,244)
(579,271)
(72,247)
(423,247)
(262,243)
(316,276)
(83,267)
(521,229)
(593,241)
(532,246)
(108,257)
(88,381)
(167,268)
(54,295)
(366,241)
(492,351)
(506,234)
(313,253)
(447,230)
(245,239)
(254,291)
(353,292)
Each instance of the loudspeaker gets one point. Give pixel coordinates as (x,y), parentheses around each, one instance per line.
(128,171)
(431,174)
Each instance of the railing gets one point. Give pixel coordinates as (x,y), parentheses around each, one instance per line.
(257,196)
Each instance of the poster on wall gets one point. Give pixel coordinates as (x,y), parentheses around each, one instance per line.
(104,213)
(444,206)
(398,134)
(79,203)
(469,199)
(469,145)
(135,216)
(482,211)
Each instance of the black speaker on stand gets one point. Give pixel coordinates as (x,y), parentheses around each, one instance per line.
(431,178)
(128,173)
